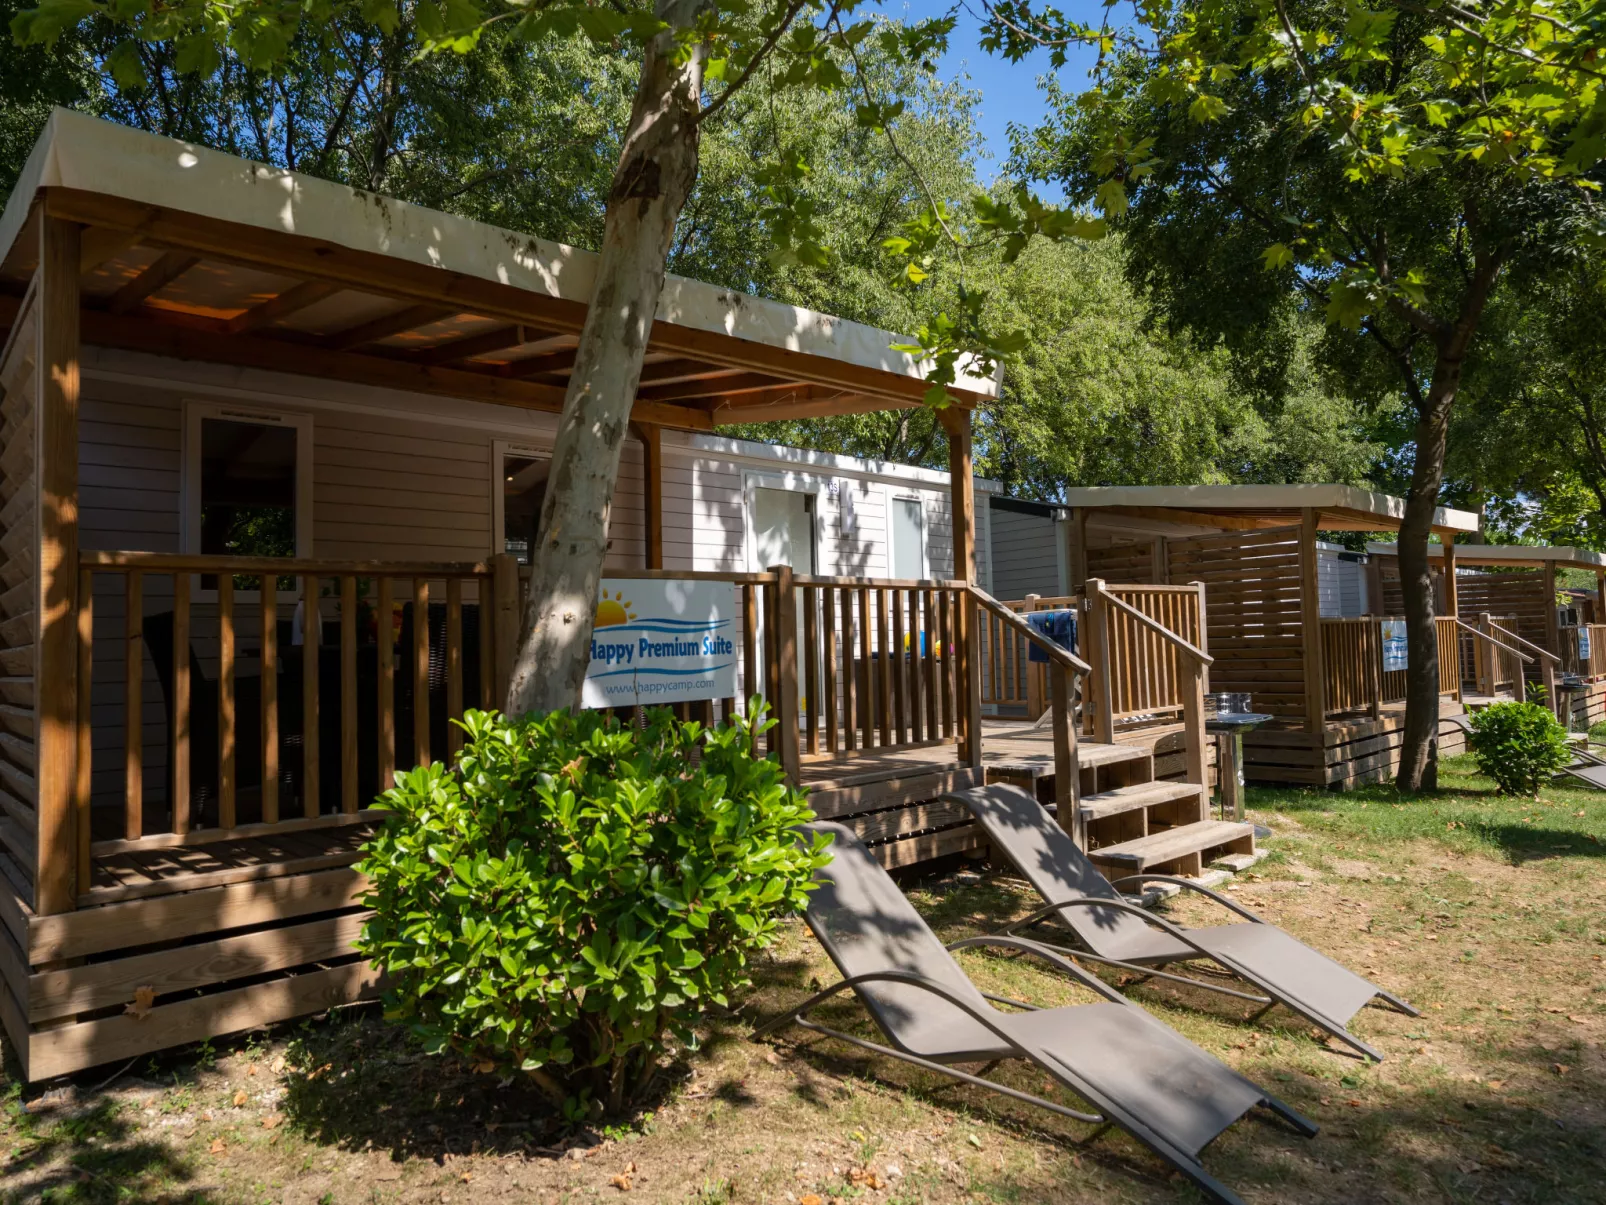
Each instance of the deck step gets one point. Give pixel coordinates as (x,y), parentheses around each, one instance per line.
(1136,797)
(1170,844)
(1021,757)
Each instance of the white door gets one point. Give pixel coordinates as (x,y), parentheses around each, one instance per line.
(908,539)
(783,534)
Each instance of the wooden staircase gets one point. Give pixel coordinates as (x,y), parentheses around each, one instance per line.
(1133,822)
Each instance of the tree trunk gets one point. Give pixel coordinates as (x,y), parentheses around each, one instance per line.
(657,167)
(1419,753)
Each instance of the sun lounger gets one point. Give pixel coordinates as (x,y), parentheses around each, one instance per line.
(1132,1070)
(1117,932)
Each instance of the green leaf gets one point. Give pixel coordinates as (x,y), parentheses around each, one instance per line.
(1276,256)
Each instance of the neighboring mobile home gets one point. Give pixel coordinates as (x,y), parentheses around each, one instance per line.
(271,451)
(1514,589)
(1270,581)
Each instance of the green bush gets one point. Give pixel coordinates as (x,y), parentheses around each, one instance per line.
(577,891)
(1519,745)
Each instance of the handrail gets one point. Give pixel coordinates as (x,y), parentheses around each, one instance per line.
(1063,657)
(881,583)
(1198,654)
(1543,652)
(1484,636)
(186,562)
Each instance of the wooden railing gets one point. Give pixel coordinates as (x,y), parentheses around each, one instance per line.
(1352,664)
(1142,665)
(1010,679)
(879,662)
(1494,632)
(1489,666)
(1064,668)
(249,755)
(1593,666)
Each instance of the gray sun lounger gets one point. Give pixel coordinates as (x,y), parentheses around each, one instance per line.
(1134,1071)
(1109,929)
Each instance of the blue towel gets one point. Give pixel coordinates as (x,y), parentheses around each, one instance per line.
(1058,626)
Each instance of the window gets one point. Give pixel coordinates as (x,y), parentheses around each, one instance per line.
(248,483)
(521,489)
(908,521)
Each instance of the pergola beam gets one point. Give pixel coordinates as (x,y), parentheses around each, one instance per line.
(169,266)
(409,318)
(293,300)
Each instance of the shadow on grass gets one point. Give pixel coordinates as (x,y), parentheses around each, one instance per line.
(1458,1140)
(88,1154)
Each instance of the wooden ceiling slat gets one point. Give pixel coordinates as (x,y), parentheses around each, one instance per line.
(98,244)
(168,268)
(670,370)
(386,325)
(299,297)
(722,386)
(478,345)
(799,406)
(552,361)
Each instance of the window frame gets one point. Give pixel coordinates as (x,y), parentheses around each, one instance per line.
(788,482)
(894,495)
(197,412)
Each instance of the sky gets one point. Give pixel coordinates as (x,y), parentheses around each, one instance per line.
(1009,90)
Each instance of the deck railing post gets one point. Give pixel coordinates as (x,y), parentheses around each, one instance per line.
(1103,691)
(1488,671)
(1034,674)
(1191,679)
(969,684)
(1374,666)
(785,654)
(1067,770)
(505,641)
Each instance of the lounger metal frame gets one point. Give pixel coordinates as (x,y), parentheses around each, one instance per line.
(1182,1160)
(1157,971)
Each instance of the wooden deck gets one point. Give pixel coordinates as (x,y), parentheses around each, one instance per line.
(1349,751)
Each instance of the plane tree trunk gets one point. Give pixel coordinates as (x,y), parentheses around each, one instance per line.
(656,171)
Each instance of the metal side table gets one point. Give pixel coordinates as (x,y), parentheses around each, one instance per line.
(1228,727)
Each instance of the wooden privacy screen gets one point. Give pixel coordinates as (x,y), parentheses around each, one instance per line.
(1124,563)
(225,697)
(1252,596)
(1518,596)
(18,630)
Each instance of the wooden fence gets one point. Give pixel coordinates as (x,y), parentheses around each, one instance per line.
(1352,664)
(1591,667)
(284,749)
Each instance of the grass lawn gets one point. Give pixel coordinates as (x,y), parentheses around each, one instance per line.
(1485,912)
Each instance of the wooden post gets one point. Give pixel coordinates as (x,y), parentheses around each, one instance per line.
(786,699)
(505,620)
(1193,719)
(1310,605)
(1078,581)
(1600,597)
(1374,663)
(652,489)
(56,601)
(1035,674)
(970,751)
(1103,700)
(1067,770)
(1552,622)
(956,422)
(1488,667)
(1452,604)
(1203,641)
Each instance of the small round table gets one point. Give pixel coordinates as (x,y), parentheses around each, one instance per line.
(1228,727)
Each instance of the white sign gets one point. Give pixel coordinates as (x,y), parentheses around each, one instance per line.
(662,641)
(1394,646)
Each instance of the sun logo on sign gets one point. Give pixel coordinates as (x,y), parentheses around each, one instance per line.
(613,611)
